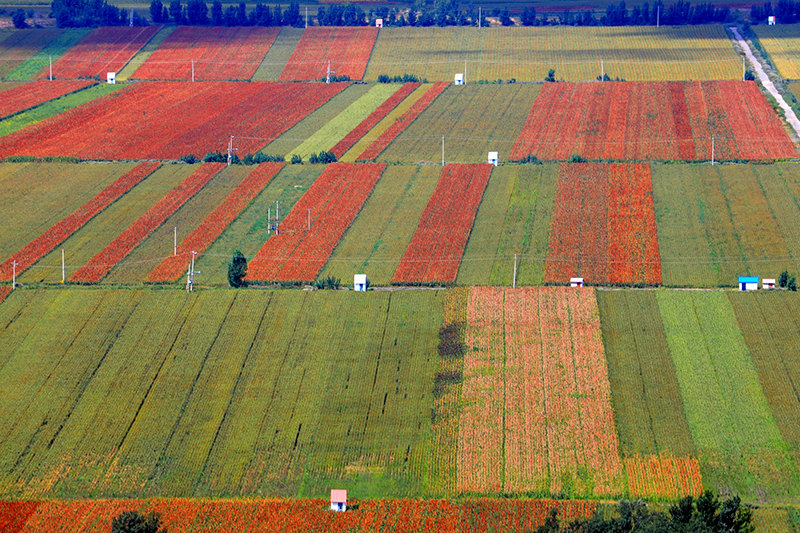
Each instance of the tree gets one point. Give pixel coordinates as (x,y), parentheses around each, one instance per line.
(156,10)
(197,12)
(783,279)
(237,270)
(18,18)
(216,13)
(133,522)
(791,284)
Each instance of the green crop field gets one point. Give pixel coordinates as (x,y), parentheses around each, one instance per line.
(781,42)
(576,53)
(227,393)
(718,223)
(738,441)
(19,46)
(52,50)
(513,218)
(278,55)
(474,119)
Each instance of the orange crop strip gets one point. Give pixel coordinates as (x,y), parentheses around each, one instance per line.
(386,138)
(299,252)
(435,251)
(215,223)
(51,238)
(664,477)
(35,93)
(101,264)
(346,49)
(372,120)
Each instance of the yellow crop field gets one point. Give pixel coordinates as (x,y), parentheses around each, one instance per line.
(782,43)
(642,53)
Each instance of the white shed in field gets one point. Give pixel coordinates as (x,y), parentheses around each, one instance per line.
(768,283)
(111,77)
(379,23)
(338,500)
(494,159)
(459,79)
(771,21)
(748,283)
(576,282)
(360,282)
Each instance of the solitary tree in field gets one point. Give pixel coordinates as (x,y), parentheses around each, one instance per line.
(237,270)
(133,522)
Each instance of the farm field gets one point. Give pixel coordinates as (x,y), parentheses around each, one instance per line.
(781,42)
(513,219)
(653,121)
(20,46)
(145,52)
(200,376)
(717,223)
(526,54)
(473,119)
(18,99)
(40,61)
(345,49)
(106,129)
(278,55)
(296,516)
(604,227)
(197,53)
(106,49)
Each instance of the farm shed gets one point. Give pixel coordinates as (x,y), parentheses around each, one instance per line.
(748,283)
(768,283)
(338,500)
(360,282)
(576,282)
(494,159)
(111,77)
(459,79)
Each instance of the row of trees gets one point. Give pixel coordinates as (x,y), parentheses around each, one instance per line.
(787,12)
(82,13)
(196,13)
(676,14)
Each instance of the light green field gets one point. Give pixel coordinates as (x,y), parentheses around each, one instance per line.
(53,50)
(278,55)
(781,42)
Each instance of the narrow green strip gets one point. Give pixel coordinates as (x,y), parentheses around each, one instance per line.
(41,59)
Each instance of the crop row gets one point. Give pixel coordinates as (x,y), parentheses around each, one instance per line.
(51,238)
(604,227)
(195,53)
(101,264)
(435,250)
(386,138)
(32,94)
(140,122)
(663,477)
(307,237)
(653,121)
(340,51)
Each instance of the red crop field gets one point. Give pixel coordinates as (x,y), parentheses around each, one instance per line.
(47,241)
(106,49)
(14,515)
(167,120)
(103,262)
(346,48)
(435,250)
(218,53)
(653,121)
(603,226)
(299,516)
(386,138)
(663,477)
(315,224)
(213,226)
(372,120)
(35,93)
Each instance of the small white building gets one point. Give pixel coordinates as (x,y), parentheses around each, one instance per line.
(111,77)
(767,283)
(459,79)
(494,159)
(360,282)
(576,282)
(748,283)
(338,500)
(771,21)
(379,23)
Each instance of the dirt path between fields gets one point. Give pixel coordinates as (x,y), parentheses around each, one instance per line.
(791,118)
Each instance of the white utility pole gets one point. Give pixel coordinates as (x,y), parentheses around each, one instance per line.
(465,72)
(14,276)
(277,219)
(51,68)
(658,16)
(269,220)
(712,150)
(190,276)
(175,242)
(231,149)
(480,16)
(131,23)
(514,286)
(192,69)
(63,270)
(306,16)
(309,220)
(602,71)
(328,77)
(442,150)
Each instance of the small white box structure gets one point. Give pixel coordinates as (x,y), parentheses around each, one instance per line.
(338,500)
(459,79)
(493,159)
(748,283)
(360,282)
(111,77)
(576,282)
(379,23)
(771,21)
(767,283)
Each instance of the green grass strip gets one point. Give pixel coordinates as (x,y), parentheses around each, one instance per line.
(41,59)
(331,133)
(54,107)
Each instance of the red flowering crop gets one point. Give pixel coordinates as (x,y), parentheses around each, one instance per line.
(51,238)
(346,48)
(35,93)
(434,253)
(219,219)
(103,262)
